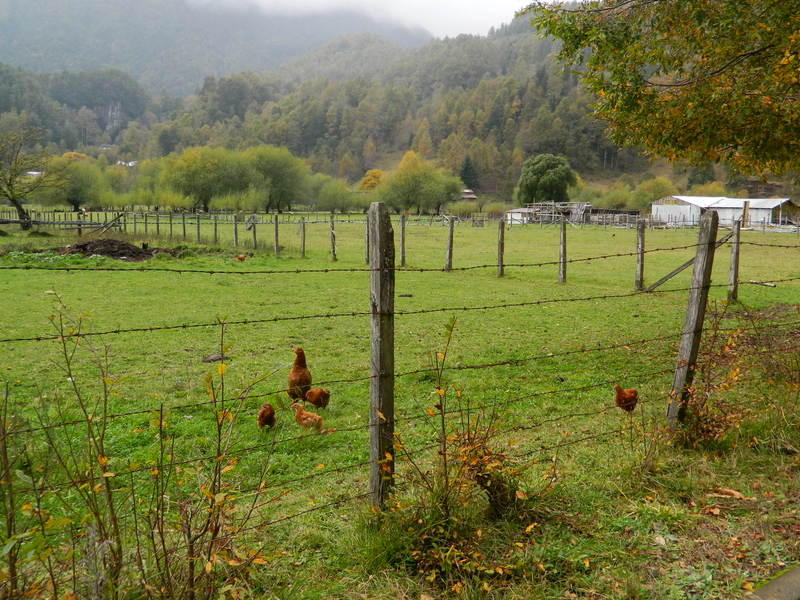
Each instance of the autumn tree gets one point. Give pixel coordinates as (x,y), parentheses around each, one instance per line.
(24,170)
(417,185)
(699,80)
(370,180)
(545,178)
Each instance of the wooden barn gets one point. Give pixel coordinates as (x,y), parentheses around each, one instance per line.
(686,210)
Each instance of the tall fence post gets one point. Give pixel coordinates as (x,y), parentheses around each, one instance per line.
(403,240)
(448,257)
(562,252)
(695,314)
(302,237)
(333,240)
(255,239)
(170,225)
(134,222)
(639,283)
(381,387)
(501,246)
(216,231)
(80,223)
(158,224)
(183,224)
(733,274)
(145,223)
(197,227)
(277,239)
(235,230)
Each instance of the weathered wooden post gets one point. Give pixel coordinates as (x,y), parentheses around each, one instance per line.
(302,237)
(562,252)
(733,274)
(145,223)
(158,224)
(277,239)
(183,224)
(333,239)
(501,246)
(216,232)
(381,387)
(79,219)
(134,222)
(170,225)
(235,230)
(255,238)
(403,240)
(197,227)
(695,314)
(639,282)
(448,257)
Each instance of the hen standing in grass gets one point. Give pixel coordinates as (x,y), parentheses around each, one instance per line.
(318,397)
(266,416)
(299,377)
(306,420)
(626,399)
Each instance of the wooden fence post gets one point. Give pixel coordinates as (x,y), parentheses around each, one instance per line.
(381,387)
(235,230)
(562,252)
(403,240)
(134,222)
(80,223)
(158,224)
(277,240)
(695,314)
(216,231)
(145,223)
(639,283)
(501,246)
(302,237)
(333,240)
(197,227)
(183,224)
(733,274)
(448,257)
(170,224)
(255,239)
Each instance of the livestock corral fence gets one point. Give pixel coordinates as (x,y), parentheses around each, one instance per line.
(77,516)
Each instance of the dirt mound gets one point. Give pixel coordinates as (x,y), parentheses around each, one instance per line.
(112,249)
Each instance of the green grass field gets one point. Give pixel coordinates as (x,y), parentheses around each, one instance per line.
(599,543)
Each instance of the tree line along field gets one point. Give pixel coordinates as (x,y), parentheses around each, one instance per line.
(164,368)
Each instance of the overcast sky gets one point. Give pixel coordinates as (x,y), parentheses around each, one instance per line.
(440,17)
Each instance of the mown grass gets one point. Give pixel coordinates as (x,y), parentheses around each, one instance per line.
(603,510)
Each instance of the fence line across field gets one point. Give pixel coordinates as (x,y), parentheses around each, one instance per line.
(382,418)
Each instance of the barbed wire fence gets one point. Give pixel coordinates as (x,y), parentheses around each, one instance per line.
(382,419)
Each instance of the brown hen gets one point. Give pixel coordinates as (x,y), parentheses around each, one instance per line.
(299,377)
(266,416)
(306,420)
(318,397)
(626,399)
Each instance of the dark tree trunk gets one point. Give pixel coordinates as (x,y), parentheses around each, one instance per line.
(22,214)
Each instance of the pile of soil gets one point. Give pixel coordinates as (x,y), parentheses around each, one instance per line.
(112,249)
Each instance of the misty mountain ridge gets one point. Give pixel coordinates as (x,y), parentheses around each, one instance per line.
(170,46)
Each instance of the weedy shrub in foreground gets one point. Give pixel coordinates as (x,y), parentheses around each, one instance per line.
(84,521)
(446,524)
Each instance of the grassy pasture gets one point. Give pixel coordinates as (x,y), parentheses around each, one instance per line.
(607,516)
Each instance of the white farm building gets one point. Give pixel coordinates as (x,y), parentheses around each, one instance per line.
(686,210)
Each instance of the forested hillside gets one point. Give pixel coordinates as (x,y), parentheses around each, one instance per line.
(169,45)
(477,106)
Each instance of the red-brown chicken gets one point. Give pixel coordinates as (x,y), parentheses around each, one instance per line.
(241,257)
(318,397)
(299,377)
(626,399)
(306,420)
(266,416)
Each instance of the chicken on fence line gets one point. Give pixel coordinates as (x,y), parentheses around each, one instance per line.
(626,399)
(306,420)
(318,397)
(299,381)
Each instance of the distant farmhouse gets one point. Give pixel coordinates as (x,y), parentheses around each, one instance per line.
(757,212)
